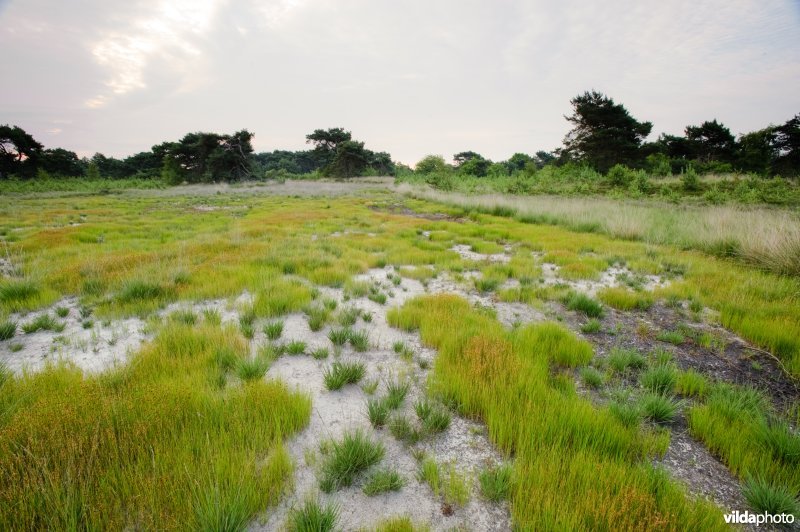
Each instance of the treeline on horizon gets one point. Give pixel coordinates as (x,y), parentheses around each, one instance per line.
(604,138)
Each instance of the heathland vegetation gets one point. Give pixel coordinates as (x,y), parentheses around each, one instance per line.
(580,339)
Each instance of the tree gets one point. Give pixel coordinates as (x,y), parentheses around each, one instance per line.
(210,156)
(477,166)
(518,161)
(757,151)
(18,151)
(711,141)
(464,156)
(787,143)
(60,162)
(604,133)
(381,162)
(325,142)
(430,164)
(543,158)
(350,159)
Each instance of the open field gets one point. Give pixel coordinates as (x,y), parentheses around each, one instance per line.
(322,355)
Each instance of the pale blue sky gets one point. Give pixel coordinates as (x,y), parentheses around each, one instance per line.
(412,77)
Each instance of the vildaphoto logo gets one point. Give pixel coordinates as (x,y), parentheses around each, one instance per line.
(746,518)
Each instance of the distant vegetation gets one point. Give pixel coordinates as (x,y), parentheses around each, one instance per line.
(604,153)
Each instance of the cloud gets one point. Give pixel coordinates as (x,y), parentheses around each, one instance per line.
(410,77)
(170,30)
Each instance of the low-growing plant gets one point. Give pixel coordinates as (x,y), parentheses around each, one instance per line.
(342,373)
(620,359)
(8,329)
(348,316)
(339,336)
(378,412)
(591,326)
(187,317)
(212,316)
(659,379)
(62,312)
(779,440)
(437,420)
(401,428)
(591,377)
(313,517)
(321,353)
(764,496)
(296,347)
(382,481)
(691,383)
(359,340)
(672,337)
(582,303)
(660,408)
(252,368)
(496,482)
(627,413)
(348,458)
(396,392)
(274,329)
(43,322)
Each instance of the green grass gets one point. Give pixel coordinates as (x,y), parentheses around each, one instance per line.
(274,329)
(691,384)
(348,457)
(8,329)
(584,304)
(620,359)
(13,293)
(313,517)
(591,377)
(400,524)
(627,413)
(660,379)
(396,392)
(43,322)
(496,482)
(660,408)
(590,327)
(90,446)
(378,412)
(341,373)
(62,312)
(570,456)
(403,429)
(762,496)
(383,481)
(624,299)
(321,353)
(186,317)
(296,347)
(359,340)
(434,419)
(672,337)
(339,337)
(445,481)
(252,368)
(348,316)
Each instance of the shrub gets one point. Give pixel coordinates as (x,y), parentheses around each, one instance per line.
(348,457)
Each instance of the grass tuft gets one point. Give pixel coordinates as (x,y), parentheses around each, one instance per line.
(8,329)
(383,481)
(313,517)
(342,373)
(347,458)
(659,379)
(582,303)
(763,496)
(620,360)
(496,482)
(274,329)
(660,408)
(43,322)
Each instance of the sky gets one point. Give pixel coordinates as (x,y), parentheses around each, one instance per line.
(412,78)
